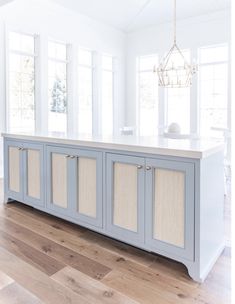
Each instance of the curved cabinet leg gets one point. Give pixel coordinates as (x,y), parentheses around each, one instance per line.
(194,273)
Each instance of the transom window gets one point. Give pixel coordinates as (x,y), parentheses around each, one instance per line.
(21,105)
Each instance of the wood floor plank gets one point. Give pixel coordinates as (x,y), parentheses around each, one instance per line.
(86,237)
(54,250)
(4,280)
(106,257)
(47,219)
(133,288)
(165,269)
(128,252)
(46,230)
(147,293)
(16,294)
(133,274)
(38,283)
(30,255)
(89,288)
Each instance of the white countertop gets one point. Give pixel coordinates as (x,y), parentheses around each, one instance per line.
(189,148)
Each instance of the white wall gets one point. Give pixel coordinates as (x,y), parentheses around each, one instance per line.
(51,21)
(191,33)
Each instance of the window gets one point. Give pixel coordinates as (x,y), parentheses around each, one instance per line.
(21,107)
(57,85)
(213,89)
(107,95)
(178,103)
(147,96)
(85,89)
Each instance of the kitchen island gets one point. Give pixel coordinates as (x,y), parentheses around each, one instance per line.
(161,195)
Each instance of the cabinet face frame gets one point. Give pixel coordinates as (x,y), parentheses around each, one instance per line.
(50,150)
(28,199)
(74,175)
(119,232)
(160,246)
(8,192)
(72,183)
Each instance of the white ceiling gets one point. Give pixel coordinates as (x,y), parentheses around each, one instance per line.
(128,15)
(3,2)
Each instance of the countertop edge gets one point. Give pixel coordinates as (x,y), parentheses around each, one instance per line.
(120,146)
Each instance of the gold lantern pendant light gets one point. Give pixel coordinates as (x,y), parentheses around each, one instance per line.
(174,71)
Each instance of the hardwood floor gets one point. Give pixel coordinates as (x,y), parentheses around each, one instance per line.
(46,260)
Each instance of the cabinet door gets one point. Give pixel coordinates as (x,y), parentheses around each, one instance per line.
(125,197)
(58,163)
(87,179)
(13,170)
(33,166)
(170,207)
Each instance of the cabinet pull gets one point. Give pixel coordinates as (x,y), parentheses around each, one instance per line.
(72,157)
(139,167)
(67,156)
(148,168)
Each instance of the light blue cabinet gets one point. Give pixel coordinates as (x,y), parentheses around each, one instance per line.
(169,209)
(125,197)
(172,206)
(74,182)
(24,180)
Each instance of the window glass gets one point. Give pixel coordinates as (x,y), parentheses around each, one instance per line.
(148,96)
(107,95)
(213,54)
(85,91)
(107,62)
(57,86)
(213,90)
(21,107)
(57,50)
(178,100)
(85,57)
(21,42)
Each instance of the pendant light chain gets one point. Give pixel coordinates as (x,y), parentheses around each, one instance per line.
(174,21)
